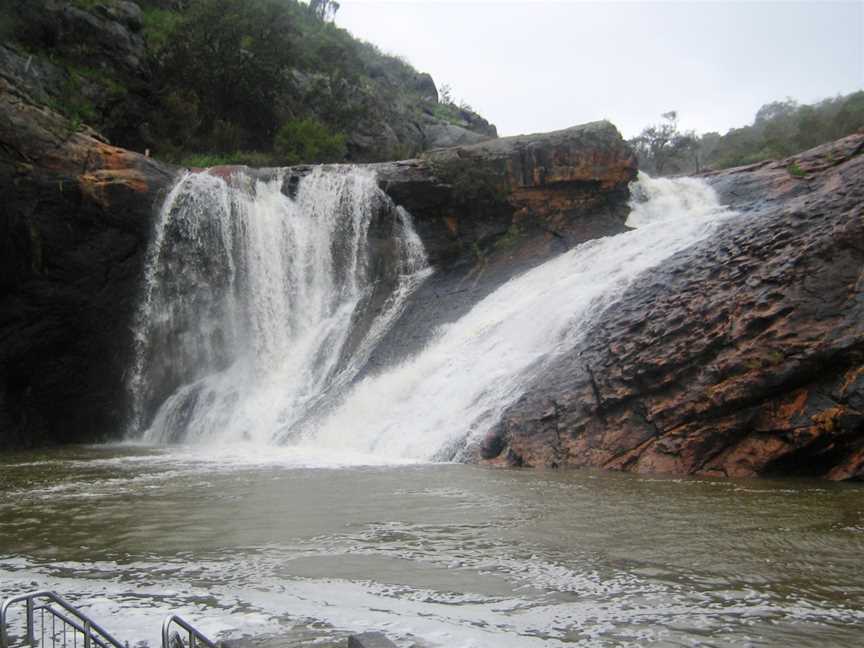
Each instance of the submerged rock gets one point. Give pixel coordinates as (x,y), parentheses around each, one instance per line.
(742,356)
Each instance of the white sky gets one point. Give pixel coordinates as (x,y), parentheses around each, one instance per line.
(538,65)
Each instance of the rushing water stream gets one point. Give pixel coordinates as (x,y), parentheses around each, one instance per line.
(302,502)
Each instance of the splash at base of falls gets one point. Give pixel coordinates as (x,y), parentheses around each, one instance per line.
(262,310)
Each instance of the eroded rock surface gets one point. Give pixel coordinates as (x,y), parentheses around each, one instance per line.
(742,356)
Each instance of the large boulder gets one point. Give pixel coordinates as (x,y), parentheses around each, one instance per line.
(527,196)
(741,356)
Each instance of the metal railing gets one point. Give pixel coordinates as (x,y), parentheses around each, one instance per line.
(71,622)
(196,638)
(69,627)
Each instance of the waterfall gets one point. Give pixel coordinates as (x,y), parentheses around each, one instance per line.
(451,393)
(258,307)
(260,311)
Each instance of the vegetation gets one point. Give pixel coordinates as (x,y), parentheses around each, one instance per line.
(269,80)
(272,76)
(780,129)
(662,145)
(308,140)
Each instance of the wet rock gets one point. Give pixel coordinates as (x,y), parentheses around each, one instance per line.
(518,197)
(76,217)
(742,356)
(370,640)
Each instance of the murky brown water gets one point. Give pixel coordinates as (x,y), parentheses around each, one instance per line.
(269,541)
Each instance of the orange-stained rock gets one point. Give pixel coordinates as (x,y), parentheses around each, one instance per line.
(743,356)
(76,216)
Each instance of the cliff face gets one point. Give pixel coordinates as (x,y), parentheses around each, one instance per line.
(78,214)
(742,356)
(76,217)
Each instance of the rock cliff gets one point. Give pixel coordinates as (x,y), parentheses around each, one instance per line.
(742,356)
(76,217)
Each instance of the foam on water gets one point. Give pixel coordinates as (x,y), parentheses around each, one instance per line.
(433,555)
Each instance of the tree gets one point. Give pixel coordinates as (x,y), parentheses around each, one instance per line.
(324,10)
(775,110)
(308,141)
(445,94)
(656,145)
(231,55)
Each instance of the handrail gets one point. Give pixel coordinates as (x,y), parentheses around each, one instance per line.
(194,633)
(85,625)
(95,636)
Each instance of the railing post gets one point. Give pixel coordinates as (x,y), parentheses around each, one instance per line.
(191,639)
(30,638)
(86,634)
(4,640)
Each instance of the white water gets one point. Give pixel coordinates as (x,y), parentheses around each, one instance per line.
(287,309)
(452,392)
(252,297)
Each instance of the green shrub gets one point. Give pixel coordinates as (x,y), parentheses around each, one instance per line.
(796,171)
(308,141)
(159,27)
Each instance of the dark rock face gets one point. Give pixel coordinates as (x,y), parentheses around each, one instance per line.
(742,356)
(76,217)
(108,35)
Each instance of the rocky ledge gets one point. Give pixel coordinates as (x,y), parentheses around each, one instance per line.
(742,356)
(78,215)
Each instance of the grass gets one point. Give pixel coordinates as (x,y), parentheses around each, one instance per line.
(247,158)
(449,113)
(796,171)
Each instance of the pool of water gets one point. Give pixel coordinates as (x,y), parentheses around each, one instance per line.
(249,541)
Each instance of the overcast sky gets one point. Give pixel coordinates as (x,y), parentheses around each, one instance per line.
(538,65)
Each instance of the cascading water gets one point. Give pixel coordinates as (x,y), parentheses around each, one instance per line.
(449,395)
(257,305)
(259,314)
